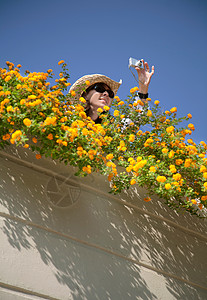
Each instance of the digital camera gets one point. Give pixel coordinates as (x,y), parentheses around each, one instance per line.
(135,63)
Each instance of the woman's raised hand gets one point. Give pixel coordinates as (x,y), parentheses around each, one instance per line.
(144,77)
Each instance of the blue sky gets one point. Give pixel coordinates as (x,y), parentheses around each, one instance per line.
(99,37)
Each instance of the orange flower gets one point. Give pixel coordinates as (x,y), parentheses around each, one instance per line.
(61,62)
(161,178)
(189,116)
(133,181)
(38,156)
(87,82)
(191,126)
(34,140)
(147,199)
(156,102)
(170,129)
(50,136)
(177,176)
(73,93)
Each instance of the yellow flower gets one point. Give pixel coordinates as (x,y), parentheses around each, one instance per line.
(134,89)
(205,175)
(9,108)
(84,131)
(170,129)
(152,169)
(203,169)
(205,185)
(139,165)
(132,138)
(133,181)
(27,122)
(173,110)
(172,169)
(87,82)
(106,108)
(100,110)
(167,112)
(164,150)
(116,113)
(167,186)
(61,62)
(156,102)
(171,154)
(50,121)
(194,201)
(191,126)
(161,178)
(82,100)
(203,143)
(187,162)
(149,113)
(32,97)
(109,156)
(16,134)
(23,101)
(129,168)
(7,78)
(177,176)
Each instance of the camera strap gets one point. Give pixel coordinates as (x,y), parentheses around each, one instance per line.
(137,79)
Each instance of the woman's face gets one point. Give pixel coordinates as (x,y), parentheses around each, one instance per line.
(99,99)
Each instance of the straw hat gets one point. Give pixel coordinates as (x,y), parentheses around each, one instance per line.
(80,85)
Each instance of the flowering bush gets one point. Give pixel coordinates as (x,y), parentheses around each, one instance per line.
(151,149)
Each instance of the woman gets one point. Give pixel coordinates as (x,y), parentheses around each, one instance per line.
(101,90)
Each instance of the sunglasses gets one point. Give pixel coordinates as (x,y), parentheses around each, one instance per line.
(100,88)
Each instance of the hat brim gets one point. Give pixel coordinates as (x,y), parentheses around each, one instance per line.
(80,85)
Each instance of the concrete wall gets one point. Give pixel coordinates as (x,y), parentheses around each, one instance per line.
(64,237)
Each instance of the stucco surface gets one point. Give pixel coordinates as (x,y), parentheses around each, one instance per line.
(100,247)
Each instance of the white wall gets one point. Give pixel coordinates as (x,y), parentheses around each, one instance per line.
(100,247)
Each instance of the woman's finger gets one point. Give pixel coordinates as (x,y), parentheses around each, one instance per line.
(147,66)
(153,70)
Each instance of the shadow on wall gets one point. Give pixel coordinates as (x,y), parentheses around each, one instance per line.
(88,271)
